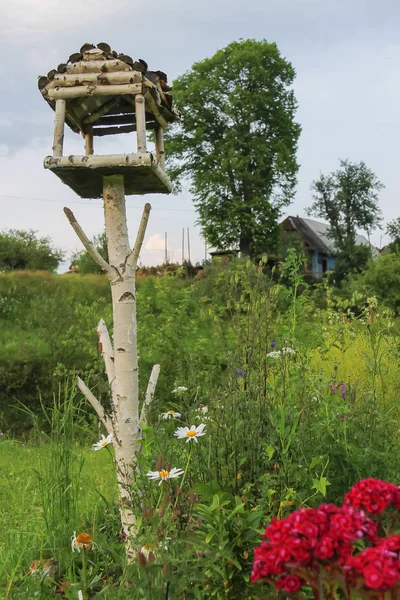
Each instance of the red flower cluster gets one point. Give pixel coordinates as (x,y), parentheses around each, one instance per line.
(379,566)
(373,496)
(308,536)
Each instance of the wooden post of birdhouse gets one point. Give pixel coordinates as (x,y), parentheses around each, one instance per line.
(96,94)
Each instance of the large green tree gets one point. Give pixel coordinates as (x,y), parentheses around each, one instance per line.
(24,250)
(348,200)
(236,143)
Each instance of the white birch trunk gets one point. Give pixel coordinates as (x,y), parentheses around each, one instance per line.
(121,361)
(125,391)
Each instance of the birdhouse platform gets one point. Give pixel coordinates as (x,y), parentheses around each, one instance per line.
(100,93)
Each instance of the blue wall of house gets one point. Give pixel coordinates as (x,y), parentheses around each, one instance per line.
(317,265)
(331,263)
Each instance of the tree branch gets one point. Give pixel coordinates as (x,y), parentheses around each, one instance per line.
(106,350)
(96,405)
(151,388)
(88,244)
(134,255)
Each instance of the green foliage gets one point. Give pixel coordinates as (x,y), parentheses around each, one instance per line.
(47,331)
(24,251)
(380,279)
(348,199)
(302,402)
(393,231)
(237,143)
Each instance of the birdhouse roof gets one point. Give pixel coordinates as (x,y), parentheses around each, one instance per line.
(99,86)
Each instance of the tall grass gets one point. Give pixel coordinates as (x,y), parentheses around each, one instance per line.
(280,434)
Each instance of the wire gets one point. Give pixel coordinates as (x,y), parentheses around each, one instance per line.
(8,196)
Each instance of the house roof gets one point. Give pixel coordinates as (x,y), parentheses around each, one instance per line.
(316,235)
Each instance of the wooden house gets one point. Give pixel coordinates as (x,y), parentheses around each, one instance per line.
(312,238)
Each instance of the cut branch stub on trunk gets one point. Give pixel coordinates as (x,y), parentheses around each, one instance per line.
(107,351)
(96,405)
(151,388)
(88,244)
(134,255)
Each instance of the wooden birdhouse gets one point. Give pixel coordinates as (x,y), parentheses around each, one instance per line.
(100,93)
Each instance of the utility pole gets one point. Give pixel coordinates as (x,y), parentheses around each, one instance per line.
(183,245)
(166,249)
(188,243)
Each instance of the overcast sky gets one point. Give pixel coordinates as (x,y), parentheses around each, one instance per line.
(346,54)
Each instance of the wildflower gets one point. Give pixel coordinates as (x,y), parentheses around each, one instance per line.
(163,475)
(291,583)
(342,389)
(148,551)
(373,495)
(103,442)
(273,345)
(308,535)
(190,434)
(378,565)
(46,568)
(80,595)
(332,388)
(279,353)
(202,408)
(82,541)
(171,414)
(341,418)
(239,373)
(179,390)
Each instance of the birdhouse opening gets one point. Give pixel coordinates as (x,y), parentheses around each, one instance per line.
(99,93)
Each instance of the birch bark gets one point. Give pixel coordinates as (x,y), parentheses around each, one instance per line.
(125,388)
(120,358)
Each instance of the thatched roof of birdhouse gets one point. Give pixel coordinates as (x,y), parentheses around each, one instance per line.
(99,85)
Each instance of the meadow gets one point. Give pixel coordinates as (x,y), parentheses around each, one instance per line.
(297,389)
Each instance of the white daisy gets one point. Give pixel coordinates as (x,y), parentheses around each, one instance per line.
(170,414)
(179,390)
(190,434)
(80,595)
(148,551)
(103,442)
(202,408)
(279,353)
(163,475)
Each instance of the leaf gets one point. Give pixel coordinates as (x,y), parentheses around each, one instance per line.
(237,509)
(209,537)
(315,461)
(320,485)
(207,490)
(270,451)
